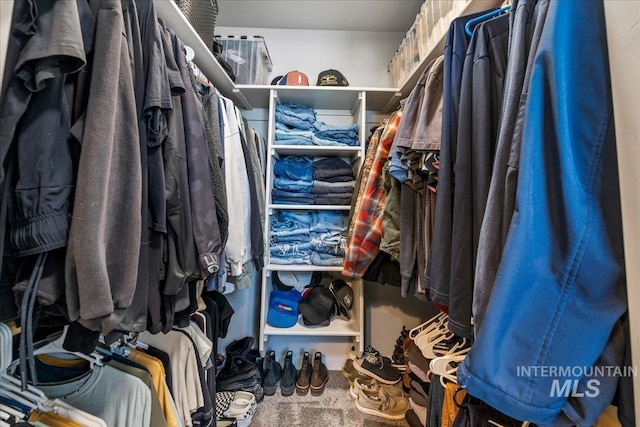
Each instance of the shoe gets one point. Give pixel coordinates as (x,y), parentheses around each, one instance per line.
(373,365)
(350,373)
(236,369)
(382,405)
(319,375)
(304,376)
(239,347)
(372,386)
(272,373)
(406,380)
(238,406)
(288,379)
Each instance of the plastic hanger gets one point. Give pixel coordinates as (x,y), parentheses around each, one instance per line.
(472,22)
(415,331)
(446,367)
(55,346)
(437,327)
(429,334)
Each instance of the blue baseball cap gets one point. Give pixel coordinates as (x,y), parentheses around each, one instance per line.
(283,308)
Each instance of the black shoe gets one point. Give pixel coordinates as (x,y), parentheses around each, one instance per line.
(237,368)
(272,373)
(319,375)
(240,347)
(288,380)
(304,376)
(375,366)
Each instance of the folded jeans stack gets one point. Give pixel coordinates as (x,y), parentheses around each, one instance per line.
(298,125)
(306,237)
(301,181)
(333,181)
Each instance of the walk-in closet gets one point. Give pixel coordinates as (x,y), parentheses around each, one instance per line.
(415,213)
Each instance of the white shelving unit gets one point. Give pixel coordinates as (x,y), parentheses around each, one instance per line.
(336,106)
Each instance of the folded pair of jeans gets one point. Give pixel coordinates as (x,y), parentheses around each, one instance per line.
(324,127)
(334,142)
(328,168)
(293,185)
(291,238)
(298,260)
(329,221)
(334,201)
(277,193)
(319,187)
(336,133)
(293,122)
(293,201)
(326,259)
(294,167)
(283,135)
(298,111)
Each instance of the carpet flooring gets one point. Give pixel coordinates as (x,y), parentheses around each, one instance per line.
(335,408)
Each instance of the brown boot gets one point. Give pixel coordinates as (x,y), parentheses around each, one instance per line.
(319,375)
(304,376)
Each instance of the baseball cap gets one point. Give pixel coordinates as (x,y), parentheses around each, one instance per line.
(317,306)
(343,294)
(294,78)
(283,308)
(331,78)
(288,280)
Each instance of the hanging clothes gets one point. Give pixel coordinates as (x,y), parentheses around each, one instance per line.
(526,22)
(481,95)
(568,197)
(365,230)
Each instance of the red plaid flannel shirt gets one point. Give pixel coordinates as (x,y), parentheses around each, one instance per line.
(365,231)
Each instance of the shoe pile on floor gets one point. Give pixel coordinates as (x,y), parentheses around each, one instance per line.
(374,385)
(244,378)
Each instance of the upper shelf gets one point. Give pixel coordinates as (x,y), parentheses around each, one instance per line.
(319,97)
(437,45)
(169,12)
(257,96)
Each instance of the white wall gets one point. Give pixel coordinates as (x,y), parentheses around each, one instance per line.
(361,56)
(6,12)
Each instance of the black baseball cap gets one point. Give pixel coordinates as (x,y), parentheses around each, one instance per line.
(331,78)
(343,295)
(317,306)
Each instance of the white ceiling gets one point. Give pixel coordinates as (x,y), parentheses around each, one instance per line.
(347,15)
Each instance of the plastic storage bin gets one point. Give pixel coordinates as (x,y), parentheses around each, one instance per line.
(248,57)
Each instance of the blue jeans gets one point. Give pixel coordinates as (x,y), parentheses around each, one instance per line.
(299,111)
(329,221)
(283,194)
(300,137)
(317,140)
(292,122)
(560,285)
(293,185)
(326,259)
(300,217)
(286,237)
(324,127)
(331,242)
(294,167)
(337,134)
(290,253)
